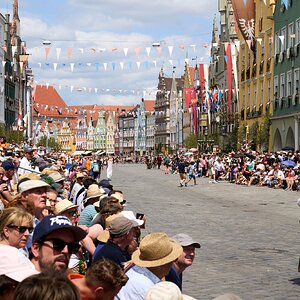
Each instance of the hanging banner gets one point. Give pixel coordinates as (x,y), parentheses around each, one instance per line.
(229,75)
(244,12)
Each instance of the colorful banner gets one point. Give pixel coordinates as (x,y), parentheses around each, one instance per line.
(229,75)
(244,12)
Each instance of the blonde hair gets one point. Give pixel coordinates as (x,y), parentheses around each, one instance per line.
(14,216)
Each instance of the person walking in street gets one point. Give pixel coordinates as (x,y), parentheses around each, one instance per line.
(191,173)
(181,168)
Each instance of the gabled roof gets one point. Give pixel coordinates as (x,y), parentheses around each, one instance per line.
(149,105)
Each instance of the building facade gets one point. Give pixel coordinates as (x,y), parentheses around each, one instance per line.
(286,105)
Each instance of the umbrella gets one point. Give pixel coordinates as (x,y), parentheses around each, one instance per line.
(288,163)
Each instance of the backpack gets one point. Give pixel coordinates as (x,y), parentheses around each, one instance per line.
(96,167)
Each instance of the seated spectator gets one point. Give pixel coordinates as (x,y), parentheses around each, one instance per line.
(14,268)
(51,285)
(15,227)
(166,290)
(54,240)
(152,262)
(120,236)
(102,281)
(185,260)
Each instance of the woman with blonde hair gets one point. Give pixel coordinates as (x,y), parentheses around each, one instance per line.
(16,225)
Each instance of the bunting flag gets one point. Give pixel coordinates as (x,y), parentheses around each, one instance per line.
(137,51)
(170,48)
(72,66)
(105,66)
(125,50)
(122,65)
(81,50)
(69,52)
(158,49)
(259,40)
(47,51)
(154,62)
(193,47)
(237,45)
(54,66)
(148,49)
(201,83)
(234,68)
(58,51)
(229,76)
(138,64)
(206,72)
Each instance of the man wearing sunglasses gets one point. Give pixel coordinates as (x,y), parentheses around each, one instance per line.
(54,240)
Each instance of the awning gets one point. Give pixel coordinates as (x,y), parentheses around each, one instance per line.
(77,153)
(100,152)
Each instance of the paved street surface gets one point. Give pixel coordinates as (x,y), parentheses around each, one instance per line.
(249,236)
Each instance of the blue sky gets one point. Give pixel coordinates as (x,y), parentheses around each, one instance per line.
(98,32)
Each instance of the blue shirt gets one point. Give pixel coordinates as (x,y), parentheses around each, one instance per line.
(87,215)
(112,252)
(175,277)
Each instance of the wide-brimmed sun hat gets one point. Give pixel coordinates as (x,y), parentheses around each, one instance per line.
(32,184)
(93,191)
(63,205)
(156,249)
(56,176)
(104,235)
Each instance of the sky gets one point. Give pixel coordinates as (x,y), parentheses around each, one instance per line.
(105,52)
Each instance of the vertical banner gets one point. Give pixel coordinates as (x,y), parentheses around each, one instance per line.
(229,75)
(194,109)
(187,96)
(202,83)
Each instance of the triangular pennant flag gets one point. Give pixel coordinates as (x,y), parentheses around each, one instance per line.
(259,40)
(249,43)
(194,47)
(47,51)
(105,66)
(47,85)
(158,49)
(40,64)
(170,48)
(58,51)
(137,51)
(21,66)
(14,49)
(72,66)
(122,65)
(148,50)
(3,63)
(113,65)
(96,90)
(71,88)
(281,37)
(89,64)
(55,66)
(186,60)
(171,62)
(154,63)
(81,50)
(125,51)
(237,44)
(69,52)
(138,64)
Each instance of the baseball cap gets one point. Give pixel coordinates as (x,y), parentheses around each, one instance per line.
(119,226)
(185,240)
(130,215)
(8,165)
(14,264)
(32,184)
(28,149)
(52,223)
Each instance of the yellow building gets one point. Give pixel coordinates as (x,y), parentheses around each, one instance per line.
(65,138)
(255,65)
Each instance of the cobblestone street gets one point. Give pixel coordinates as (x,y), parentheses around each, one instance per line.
(248,235)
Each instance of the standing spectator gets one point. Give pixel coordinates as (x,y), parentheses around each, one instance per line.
(25,163)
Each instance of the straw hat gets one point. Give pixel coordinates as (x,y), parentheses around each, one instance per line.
(56,176)
(93,191)
(156,249)
(80,175)
(166,290)
(63,206)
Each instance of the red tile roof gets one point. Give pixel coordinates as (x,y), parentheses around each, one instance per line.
(149,105)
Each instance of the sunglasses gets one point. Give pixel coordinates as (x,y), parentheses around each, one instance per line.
(73,213)
(21,229)
(59,245)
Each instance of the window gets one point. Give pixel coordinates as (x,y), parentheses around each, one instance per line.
(290,32)
(261,92)
(270,48)
(276,87)
(297,31)
(282,85)
(249,96)
(262,49)
(289,83)
(269,90)
(277,43)
(283,43)
(296,81)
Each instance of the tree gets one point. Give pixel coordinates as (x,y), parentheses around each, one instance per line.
(52,143)
(191,141)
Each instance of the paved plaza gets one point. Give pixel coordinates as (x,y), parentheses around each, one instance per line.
(249,236)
